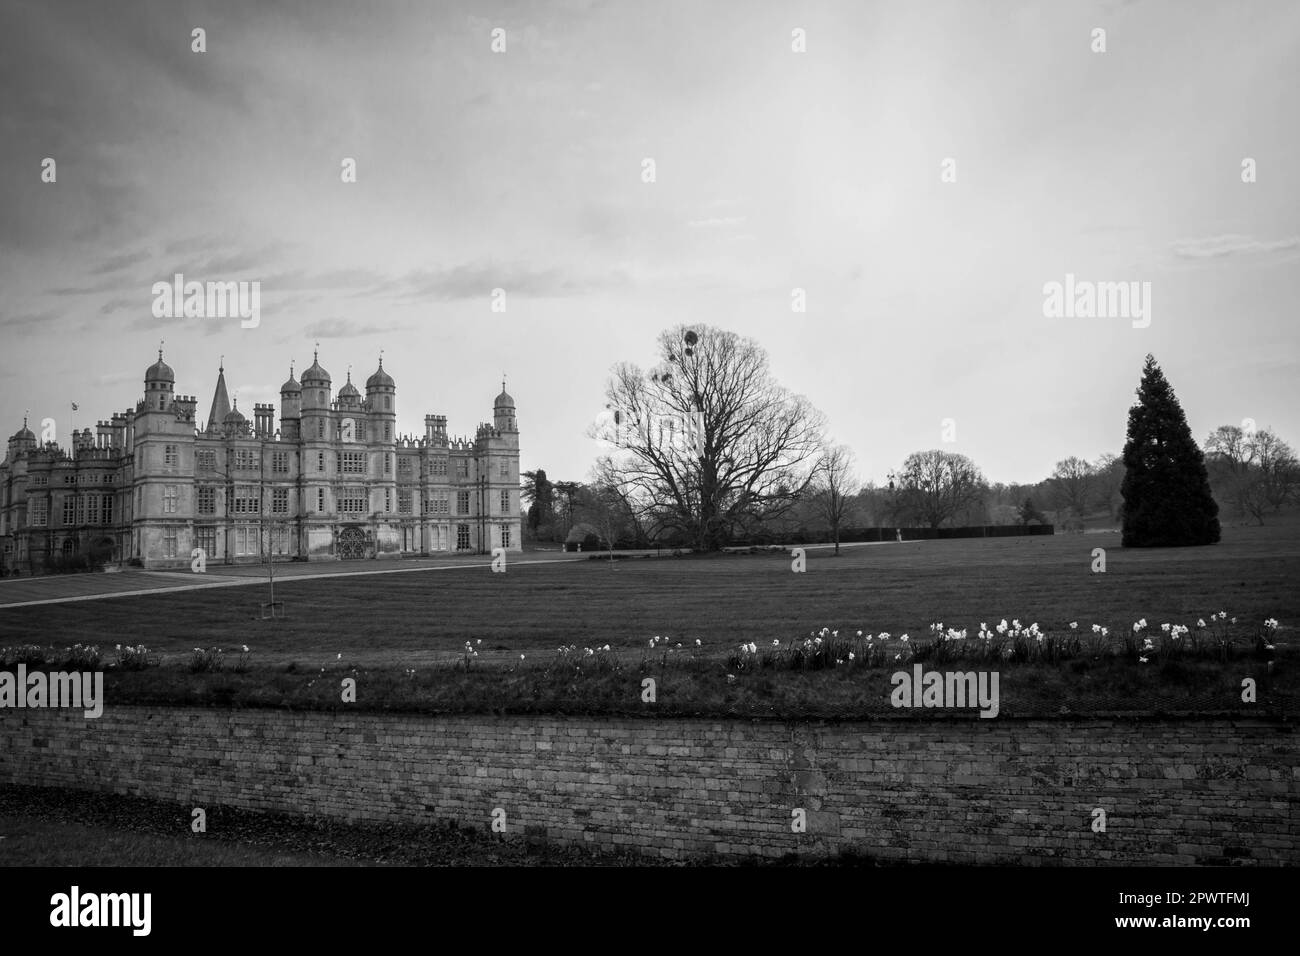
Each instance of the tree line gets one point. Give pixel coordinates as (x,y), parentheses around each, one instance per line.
(705,448)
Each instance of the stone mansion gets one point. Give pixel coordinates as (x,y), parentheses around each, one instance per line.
(334,482)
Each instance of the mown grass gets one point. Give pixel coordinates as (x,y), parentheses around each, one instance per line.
(403,637)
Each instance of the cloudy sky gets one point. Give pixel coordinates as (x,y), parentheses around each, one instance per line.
(774,170)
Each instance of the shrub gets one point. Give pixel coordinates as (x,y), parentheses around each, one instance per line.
(133,657)
(82,657)
(209,660)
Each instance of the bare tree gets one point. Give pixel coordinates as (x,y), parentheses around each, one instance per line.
(1273,475)
(711,443)
(834,488)
(1229,457)
(1072,482)
(568,490)
(935,485)
(1107,477)
(601,506)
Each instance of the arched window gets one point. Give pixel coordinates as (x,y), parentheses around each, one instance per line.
(69,547)
(388,403)
(322,397)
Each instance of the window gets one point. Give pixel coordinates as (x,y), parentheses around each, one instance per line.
(505,502)
(246,541)
(505,468)
(438,504)
(388,500)
(68,509)
(403,502)
(462,467)
(321,396)
(40,479)
(388,403)
(361,430)
(170,494)
(245,459)
(207,500)
(247,500)
(92,509)
(439,466)
(320,425)
(169,542)
(206,538)
(388,431)
(405,466)
(280,501)
(352,463)
(462,502)
(278,541)
(205,459)
(70,479)
(108,509)
(320,499)
(352,500)
(505,536)
(320,461)
(81,509)
(280,462)
(139,498)
(388,464)
(171,456)
(462,537)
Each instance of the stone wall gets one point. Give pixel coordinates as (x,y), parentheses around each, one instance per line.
(962,791)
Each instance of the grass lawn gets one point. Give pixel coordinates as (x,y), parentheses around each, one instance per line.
(387,624)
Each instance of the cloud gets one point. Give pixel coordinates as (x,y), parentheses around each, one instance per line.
(716,223)
(25,323)
(120,261)
(117,305)
(298,279)
(341,328)
(477,280)
(1231,244)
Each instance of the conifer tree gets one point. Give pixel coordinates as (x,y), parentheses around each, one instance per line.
(1166,488)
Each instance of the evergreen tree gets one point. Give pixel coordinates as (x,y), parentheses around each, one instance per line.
(1028,513)
(1166,488)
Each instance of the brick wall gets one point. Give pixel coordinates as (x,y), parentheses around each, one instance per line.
(986,791)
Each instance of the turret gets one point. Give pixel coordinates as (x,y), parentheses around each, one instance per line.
(290,407)
(381,398)
(504,411)
(159,382)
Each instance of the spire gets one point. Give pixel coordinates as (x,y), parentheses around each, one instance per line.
(220,399)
